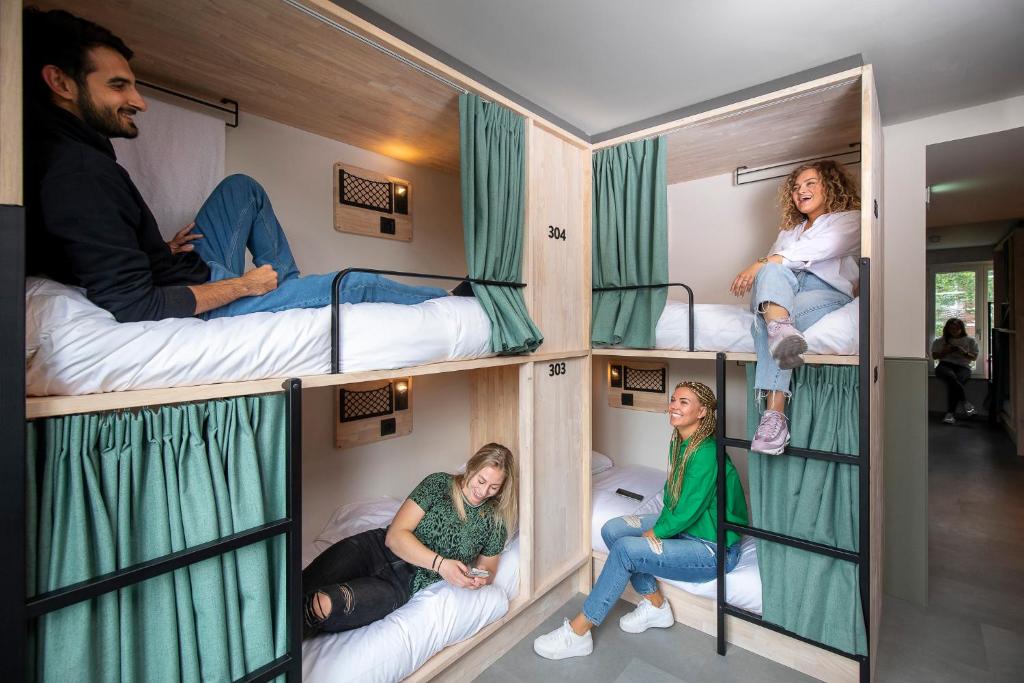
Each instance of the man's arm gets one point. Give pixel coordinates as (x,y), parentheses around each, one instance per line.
(216,294)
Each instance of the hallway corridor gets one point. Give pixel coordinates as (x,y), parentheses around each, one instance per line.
(973,627)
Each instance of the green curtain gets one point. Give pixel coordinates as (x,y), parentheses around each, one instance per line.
(111,490)
(630,239)
(492,163)
(813,595)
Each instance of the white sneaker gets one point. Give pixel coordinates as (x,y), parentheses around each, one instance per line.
(647,616)
(563,642)
(949,419)
(969,409)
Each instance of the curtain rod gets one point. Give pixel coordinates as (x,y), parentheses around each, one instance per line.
(233,109)
(375,45)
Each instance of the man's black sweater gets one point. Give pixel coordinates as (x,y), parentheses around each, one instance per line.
(88,226)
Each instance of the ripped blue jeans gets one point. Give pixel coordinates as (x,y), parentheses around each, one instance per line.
(237,216)
(633,560)
(808,299)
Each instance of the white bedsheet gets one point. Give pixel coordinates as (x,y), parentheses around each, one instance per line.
(725,327)
(742,584)
(434,618)
(74,347)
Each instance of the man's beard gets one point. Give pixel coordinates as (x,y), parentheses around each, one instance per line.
(106,122)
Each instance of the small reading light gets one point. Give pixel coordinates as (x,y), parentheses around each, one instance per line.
(615,376)
(401,198)
(402,394)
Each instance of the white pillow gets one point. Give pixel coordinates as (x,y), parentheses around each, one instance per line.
(599,462)
(355,518)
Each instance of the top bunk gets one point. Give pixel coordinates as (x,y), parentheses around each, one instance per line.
(309,67)
(724,167)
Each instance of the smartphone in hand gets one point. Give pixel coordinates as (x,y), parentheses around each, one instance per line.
(476,571)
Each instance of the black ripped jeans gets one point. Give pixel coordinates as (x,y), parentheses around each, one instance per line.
(364,580)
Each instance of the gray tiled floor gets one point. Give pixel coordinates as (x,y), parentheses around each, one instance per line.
(971,631)
(673,655)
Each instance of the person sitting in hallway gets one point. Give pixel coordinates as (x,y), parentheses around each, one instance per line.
(955,351)
(88,226)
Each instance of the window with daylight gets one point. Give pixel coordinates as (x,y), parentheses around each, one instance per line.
(964,291)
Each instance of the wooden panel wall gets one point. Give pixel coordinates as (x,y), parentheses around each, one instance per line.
(561,470)
(10,102)
(871,246)
(557,245)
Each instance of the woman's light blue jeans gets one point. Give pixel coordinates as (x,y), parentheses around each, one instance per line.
(631,560)
(238,216)
(808,299)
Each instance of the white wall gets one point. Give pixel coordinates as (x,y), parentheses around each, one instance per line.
(714,231)
(296,168)
(904,211)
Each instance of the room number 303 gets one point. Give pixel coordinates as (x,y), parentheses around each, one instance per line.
(556,369)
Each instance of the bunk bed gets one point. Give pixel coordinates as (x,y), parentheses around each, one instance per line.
(394,99)
(799,122)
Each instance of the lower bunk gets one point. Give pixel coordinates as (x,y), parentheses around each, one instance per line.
(695,604)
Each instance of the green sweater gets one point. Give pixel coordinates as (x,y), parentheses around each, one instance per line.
(696,512)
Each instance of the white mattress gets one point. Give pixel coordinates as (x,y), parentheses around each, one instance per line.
(724,327)
(74,347)
(742,584)
(434,618)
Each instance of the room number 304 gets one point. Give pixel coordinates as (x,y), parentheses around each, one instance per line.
(556,369)
(556,233)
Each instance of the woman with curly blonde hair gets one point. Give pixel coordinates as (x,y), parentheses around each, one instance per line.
(810,271)
(678,544)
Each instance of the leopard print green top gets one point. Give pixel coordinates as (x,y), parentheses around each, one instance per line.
(444,532)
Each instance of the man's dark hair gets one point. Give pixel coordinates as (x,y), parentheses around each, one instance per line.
(63,40)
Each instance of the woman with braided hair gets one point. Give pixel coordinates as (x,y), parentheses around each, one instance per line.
(678,544)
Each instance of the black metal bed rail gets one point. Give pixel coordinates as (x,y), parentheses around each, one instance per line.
(91,588)
(862,557)
(794,542)
(689,293)
(808,453)
(336,293)
(290,525)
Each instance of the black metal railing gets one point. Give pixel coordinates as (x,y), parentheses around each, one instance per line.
(290,525)
(336,295)
(689,292)
(862,556)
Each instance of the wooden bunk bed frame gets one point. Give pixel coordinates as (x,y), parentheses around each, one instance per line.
(788,124)
(384,94)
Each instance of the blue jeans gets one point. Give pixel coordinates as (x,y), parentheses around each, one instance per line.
(808,299)
(238,216)
(632,560)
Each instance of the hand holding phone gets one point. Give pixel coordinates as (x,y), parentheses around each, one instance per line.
(476,571)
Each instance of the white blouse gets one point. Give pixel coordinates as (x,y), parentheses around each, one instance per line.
(829,249)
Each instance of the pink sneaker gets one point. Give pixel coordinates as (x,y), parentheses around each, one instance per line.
(772,435)
(786,343)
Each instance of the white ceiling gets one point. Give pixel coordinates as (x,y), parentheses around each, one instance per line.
(600,64)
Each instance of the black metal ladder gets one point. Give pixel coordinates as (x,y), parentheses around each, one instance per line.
(861,558)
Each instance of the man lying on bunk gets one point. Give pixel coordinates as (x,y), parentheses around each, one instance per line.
(810,271)
(88,226)
(678,544)
(450,528)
